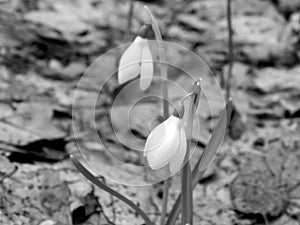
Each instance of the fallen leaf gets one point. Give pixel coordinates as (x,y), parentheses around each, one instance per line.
(275,80)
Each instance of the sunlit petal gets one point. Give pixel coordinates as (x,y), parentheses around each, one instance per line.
(129,66)
(162,143)
(178,158)
(146,68)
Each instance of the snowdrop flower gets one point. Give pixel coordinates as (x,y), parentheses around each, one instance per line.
(137,59)
(166,144)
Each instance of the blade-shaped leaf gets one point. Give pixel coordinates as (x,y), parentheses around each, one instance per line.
(206,158)
(216,139)
(104,187)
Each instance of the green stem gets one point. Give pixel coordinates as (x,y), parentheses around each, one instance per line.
(187,191)
(186,180)
(164,75)
(162,60)
(208,153)
(164,207)
(129,19)
(177,206)
(104,187)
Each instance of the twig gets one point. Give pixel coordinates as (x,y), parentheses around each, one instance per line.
(230,50)
(8,174)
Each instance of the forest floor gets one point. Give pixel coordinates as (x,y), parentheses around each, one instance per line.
(47,46)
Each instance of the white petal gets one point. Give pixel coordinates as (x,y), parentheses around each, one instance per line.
(178,158)
(146,68)
(157,135)
(129,66)
(163,142)
(155,138)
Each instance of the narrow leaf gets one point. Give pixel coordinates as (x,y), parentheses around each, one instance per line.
(186,179)
(104,187)
(210,151)
(216,138)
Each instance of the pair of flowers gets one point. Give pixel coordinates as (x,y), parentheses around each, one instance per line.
(166,145)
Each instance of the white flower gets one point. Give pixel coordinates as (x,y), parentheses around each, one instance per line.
(166,145)
(137,59)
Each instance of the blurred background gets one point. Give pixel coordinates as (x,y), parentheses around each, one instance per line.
(47,46)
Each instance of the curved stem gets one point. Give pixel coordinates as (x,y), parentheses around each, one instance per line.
(164,74)
(104,187)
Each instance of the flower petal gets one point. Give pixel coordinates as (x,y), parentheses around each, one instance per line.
(146,68)
(129,66)
(178,158)
(155,138)
(158,134)
(163,142)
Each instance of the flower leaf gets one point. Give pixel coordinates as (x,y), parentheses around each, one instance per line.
(206,158)
(104,187)
(216,139)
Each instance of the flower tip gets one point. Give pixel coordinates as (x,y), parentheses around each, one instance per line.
(145,85)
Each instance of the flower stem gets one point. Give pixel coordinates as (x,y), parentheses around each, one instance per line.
(164,75)
(129,18)
(199,169)
(164,208)
(186,180)
(162,60)
(104,187)
(187,190)
(177,206)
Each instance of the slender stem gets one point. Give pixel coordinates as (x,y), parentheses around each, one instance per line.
(186,180)
(164,207)
(265,218)
(187,190)
(185,199)
(104,187)
(164,75)
(162,59)
(214,143)
(230,50)
(177,206)
(129,18)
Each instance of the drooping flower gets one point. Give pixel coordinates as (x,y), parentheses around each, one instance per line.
(166,144)
(137,59)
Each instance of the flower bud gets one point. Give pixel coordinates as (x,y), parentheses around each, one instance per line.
(137,60)
(166,145)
